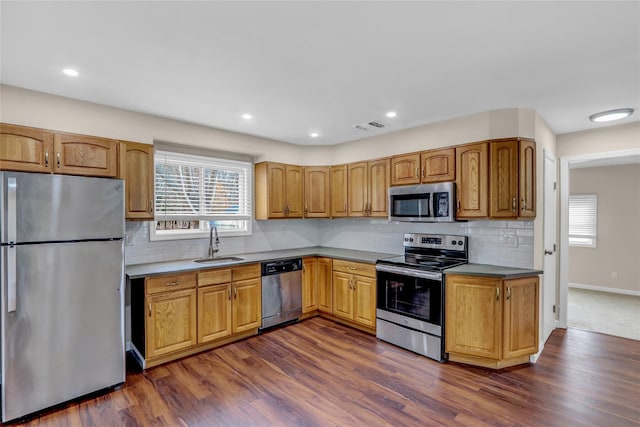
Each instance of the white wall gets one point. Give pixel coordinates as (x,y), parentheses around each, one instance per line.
(602,140)
(618,242)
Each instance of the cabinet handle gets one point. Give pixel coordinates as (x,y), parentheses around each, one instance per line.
(58,158)
(508,292)
(306,210)
(524,204)
(173,283)
(150,206)
(46,158)
(458,205)
(229,292)
(513,204)
(149,309)
(497,294)
(345,208)
(424,171)
(235,293)
(417,170)
(351,268)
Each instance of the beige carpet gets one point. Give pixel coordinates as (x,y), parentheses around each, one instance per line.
(612,314)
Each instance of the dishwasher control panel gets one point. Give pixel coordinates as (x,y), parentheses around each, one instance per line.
(282,266)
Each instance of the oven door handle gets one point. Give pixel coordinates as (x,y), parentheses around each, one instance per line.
(409,272)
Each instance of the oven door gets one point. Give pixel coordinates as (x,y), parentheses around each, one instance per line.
(410,293)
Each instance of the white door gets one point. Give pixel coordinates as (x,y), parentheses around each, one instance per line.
(549,281)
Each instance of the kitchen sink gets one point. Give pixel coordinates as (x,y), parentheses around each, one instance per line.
(218,260)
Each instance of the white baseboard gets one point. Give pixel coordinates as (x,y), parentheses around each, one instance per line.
(604,289)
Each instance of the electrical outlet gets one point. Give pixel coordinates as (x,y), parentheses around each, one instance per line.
(510,239)
(614,275)
(128,240)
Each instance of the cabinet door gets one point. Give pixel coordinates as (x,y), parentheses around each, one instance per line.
(358,194)
(405,169)
(137,170)
(324,283)
(246,305)
(439,165)
(171,322)
(214,312)
(85,155)
(294,184)
(504,179)
(309,285)
(25,149)
(339,191)
(378,183)
(473,316)
(343,295)
(276,178)
(472,174)
(520,317)
(365,301)
(316,192)
(527,179)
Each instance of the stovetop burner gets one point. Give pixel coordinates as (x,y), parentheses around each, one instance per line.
(431,252)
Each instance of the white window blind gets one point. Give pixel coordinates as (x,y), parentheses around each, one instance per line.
(195,192)
(583,210)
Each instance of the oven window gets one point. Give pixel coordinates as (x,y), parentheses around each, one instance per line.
(441,204)
(411,205)
(419,298)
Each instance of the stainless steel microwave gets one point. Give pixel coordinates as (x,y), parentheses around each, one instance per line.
(423,202)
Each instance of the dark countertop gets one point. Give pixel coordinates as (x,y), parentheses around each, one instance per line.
(493,271)
(135,271)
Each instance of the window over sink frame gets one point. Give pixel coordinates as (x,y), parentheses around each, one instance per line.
(194,193)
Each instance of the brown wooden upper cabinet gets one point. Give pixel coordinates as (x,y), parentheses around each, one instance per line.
(85,155)
(339,191)
(472,180)
(278,190)
(368,184)
(513,178)
(425,167)
(137,169)
(25,149)
(317,197)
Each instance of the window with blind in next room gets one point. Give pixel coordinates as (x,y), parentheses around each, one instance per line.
(583,220)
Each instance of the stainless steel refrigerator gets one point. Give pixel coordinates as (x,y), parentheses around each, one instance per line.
(62,293)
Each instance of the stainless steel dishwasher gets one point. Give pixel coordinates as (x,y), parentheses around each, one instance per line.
(281,291)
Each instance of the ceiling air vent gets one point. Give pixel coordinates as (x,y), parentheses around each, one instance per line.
(372,125)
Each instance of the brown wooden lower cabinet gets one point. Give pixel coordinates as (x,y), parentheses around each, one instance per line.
(176,315)
(324,283)
(491,322)
(309,284)
(354,292)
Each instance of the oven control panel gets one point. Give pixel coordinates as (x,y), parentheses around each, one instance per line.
(435,241)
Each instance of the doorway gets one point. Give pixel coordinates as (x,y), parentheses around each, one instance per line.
(600,277)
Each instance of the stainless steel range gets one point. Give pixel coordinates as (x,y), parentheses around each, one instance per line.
(410,307)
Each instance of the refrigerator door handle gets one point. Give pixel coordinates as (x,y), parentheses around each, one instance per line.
(12,302)
(12,187)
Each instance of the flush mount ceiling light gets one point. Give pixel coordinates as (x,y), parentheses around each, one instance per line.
(71,72)
(611,115)
(391,114)
(247,116)
(314,134)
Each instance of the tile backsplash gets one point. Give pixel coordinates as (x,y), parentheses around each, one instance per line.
(508,243)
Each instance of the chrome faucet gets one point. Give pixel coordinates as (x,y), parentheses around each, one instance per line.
(213,251)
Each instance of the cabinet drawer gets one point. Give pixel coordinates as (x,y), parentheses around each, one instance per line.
(154,285)
(214,277)
(244,272)
(354,267)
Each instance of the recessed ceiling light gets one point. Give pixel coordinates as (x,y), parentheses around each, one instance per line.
(71,72)
(608,116)
(314,134)
(247,116)
(391,114)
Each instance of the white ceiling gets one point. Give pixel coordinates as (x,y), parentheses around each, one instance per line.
(300,67)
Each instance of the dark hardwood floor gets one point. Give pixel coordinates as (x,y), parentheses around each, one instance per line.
(319,373)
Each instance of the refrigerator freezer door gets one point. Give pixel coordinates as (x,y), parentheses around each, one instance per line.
(66,336)
(60,207)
